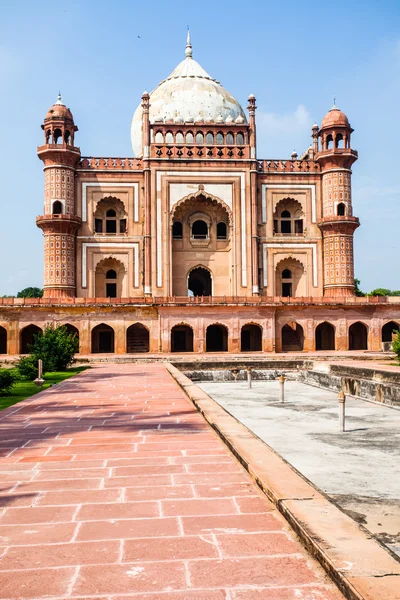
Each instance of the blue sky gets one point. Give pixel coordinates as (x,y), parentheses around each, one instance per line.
(293,56)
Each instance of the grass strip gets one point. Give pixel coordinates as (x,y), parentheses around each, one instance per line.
(23,389)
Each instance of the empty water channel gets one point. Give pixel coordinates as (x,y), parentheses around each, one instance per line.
(358,469)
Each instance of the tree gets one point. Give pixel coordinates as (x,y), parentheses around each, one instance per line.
(396,345)
(7,380)
(357,290)
(380,292)
(30,292)
(56,347)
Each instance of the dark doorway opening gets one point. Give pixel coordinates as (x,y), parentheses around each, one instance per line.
(111,290)
(200,283)
(3,340)
(216,338)
(27,337)
(137,339)
(286,290)
(358,336)
(325,337)
(199,230)
(292,337)
(181,338)
(103,339)
(251,338)
(387,331)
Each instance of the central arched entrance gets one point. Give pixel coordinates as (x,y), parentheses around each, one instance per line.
(181,338)
(199,282)
(216,338)
(201,240)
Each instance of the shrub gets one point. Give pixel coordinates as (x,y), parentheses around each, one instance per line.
(396,345)
(7,380)
(27,367)
(56,347)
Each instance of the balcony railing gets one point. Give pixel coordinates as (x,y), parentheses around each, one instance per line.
(288,166)
(113,164)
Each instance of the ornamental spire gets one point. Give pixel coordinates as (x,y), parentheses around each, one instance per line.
(59,101)
(189,49)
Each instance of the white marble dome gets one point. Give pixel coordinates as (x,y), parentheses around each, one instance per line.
(189,94)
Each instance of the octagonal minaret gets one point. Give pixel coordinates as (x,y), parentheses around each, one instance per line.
(59,222)
(337,223)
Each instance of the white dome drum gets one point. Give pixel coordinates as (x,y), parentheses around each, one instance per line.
(189,94)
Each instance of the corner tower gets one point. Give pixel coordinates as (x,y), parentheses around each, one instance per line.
(337,223)
(59,222)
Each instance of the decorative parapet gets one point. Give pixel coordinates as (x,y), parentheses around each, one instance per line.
(203,300)
(200,152)
(91,163)
(288,166)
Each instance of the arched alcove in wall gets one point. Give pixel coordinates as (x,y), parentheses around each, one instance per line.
(137,339)
(27,337)
(201,223)
(102,339)
(217,338)
(358,336)
(251,338)
(389,330)
(325,336)
(199,282)
(3,340)
(290,279)
(292,337)
(182,338)
(110,278)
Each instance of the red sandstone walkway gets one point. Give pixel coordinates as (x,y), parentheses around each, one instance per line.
(113,486)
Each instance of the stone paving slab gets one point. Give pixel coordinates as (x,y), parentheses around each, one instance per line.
(113,486)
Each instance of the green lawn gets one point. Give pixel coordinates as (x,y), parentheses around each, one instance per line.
(24,389)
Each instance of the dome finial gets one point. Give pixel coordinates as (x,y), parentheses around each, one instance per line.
(189,49)
(59,101)
(334,107)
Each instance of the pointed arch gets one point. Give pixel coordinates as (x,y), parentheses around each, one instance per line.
(27,337)
(292,337)
(137,338)
(358,336)
(200,281)
(289,277)
(325,336)
(182,338)
(388,330)
(251,338)
(102,336)
(217,338)
(3,340)
(201,194)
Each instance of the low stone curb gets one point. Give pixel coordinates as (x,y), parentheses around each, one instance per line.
(357,563)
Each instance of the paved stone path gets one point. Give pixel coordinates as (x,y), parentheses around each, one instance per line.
(114,487)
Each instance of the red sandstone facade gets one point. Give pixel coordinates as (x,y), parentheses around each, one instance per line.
(196,244)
